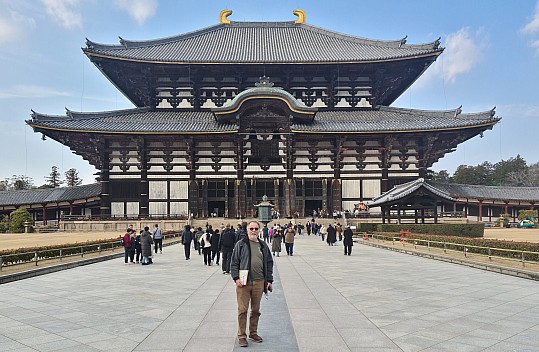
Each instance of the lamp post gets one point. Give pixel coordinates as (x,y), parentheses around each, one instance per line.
(264,211)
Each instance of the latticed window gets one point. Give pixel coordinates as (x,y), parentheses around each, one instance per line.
(313,188)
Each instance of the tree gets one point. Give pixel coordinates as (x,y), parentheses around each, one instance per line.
(505,167)
(442,176)
(18,218)
(525,178)
(16,182)
(474,175)
(72,178)
(53,179)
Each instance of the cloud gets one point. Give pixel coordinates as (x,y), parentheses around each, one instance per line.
(14,26)
(31,91)
(463,51)
(65,11)
(139,10)
(518,111)
(533,26)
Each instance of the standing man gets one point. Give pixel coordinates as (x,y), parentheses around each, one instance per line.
(228,240)
(251,256)
(348,243)
(187,237)
(289,234)
(158,239)
(126,239)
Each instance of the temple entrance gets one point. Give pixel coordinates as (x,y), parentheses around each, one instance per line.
(216,208)
(311,205)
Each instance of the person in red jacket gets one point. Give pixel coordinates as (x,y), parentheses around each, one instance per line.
(127,245)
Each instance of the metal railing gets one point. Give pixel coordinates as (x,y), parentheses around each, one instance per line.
(36,257)
(466,249)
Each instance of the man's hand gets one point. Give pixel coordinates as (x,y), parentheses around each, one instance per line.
(270,287)
(238,283)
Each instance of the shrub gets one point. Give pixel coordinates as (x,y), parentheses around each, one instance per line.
(18,218)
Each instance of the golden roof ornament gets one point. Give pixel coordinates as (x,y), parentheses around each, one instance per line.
(223,16)
(302,17)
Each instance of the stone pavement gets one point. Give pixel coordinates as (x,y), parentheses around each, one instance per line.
(374,300)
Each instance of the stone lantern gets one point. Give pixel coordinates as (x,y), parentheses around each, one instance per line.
(265,210)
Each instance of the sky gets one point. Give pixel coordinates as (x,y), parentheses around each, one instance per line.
(491,58)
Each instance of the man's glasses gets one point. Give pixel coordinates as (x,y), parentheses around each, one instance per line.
(253,228)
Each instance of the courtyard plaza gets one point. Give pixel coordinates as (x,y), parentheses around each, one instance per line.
(374,300)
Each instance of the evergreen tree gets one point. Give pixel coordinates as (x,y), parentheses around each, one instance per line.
(72,178)
(53,179)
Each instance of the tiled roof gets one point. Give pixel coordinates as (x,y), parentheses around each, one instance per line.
(389,119)
(263,42)
(489,192)
(403,190)
(452,191)
(139,120)
(144,120)
(49,195)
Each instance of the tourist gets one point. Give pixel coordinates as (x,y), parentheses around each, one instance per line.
(308,227)
(198,235)
(187,237)
(205,244)
(265,234)
(138,247)
(276,241)
(323,231)
(289,239)
(332,235)
(215,250)
(251,257)
(228,240)
(348,242)
(146,245)
(158,239)
(338,228)
(126,239)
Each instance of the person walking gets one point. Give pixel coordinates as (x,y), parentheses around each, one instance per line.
(289,235)
(265,233)
(252,259)
(323,231)
(146,245)
(205,245)
(187,238)
(198,236)
(215,250)
(228,240)
(332,235)
(276,242)
(348,242)
(158,239)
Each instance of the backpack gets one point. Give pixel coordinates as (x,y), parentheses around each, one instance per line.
(122,241)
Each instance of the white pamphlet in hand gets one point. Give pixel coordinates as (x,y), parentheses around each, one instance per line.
(243,276)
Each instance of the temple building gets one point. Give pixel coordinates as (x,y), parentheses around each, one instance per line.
(229,113)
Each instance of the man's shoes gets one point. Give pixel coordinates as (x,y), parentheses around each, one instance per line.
(256,338)
(243,342)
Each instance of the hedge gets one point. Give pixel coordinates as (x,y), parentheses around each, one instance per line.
(459,230)
(473,243)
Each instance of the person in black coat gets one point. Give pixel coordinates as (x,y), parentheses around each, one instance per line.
(227,242)
(348,242)
(332,235)
(187,237)
(215,250)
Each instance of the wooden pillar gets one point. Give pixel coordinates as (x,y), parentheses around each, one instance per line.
(435,213)
(325,193)
(383,215)
(290,197)
(277,201)
(104,206)
(422,216)
(193,200)
(44,210)
(70,208)
(144,186)
(480,217)
(416,220)
(399,221)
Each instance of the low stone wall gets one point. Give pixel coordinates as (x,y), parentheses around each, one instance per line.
(119,226)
